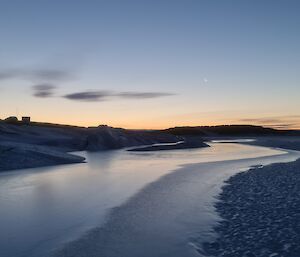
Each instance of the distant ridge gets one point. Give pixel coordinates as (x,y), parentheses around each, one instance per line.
(219,130)
(229,130)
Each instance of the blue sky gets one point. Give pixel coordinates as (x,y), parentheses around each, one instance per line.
(151,64)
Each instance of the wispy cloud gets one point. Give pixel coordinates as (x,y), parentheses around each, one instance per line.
(92,96)
(262,120)
(7,74)
(284,126)
(43,90)
(36,74)
(52,74)
(279,122)
(143,95)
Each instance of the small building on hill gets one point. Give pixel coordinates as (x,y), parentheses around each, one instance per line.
(26,120)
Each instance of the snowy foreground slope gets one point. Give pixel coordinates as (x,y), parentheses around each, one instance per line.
(26,146)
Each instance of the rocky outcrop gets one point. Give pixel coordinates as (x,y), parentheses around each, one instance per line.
(105,138)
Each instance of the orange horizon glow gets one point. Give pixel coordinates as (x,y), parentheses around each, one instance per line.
(149,125)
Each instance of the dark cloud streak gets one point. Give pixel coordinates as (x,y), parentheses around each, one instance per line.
(43,90)
(94,96)
(89,96)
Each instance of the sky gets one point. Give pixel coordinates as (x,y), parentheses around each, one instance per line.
(151,64)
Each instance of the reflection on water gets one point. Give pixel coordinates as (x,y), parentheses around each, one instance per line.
(44,207)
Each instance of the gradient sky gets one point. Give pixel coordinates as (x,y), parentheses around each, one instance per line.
(151,64)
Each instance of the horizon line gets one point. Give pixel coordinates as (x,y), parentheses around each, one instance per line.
(154,129)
